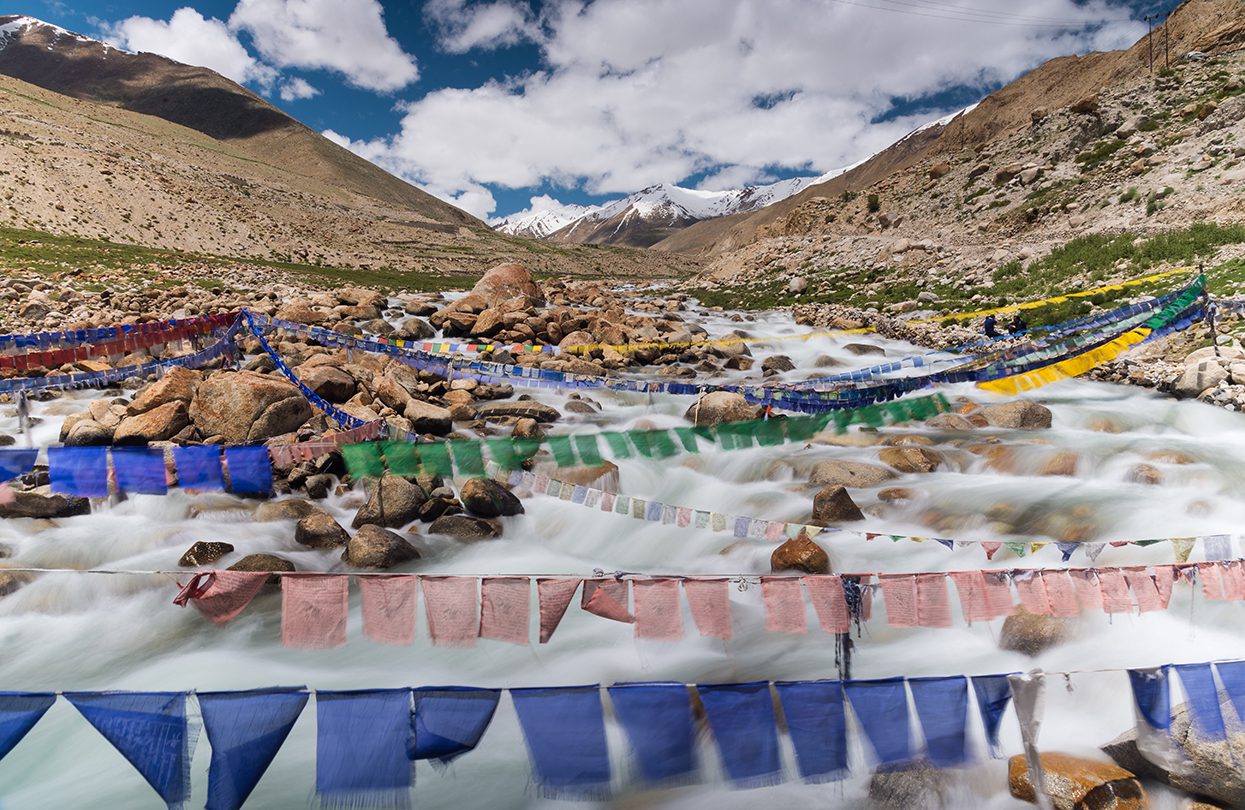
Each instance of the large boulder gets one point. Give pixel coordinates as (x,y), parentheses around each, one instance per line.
(288,509)
(177,385)
(1020,414)
(320,530)
(377,547)
(466,528)
(849,474)
(393,502)
(84,432)
(1074,783)
(720,406)
(328,381)
(42,503)
(506,281)
(428,418)
(1199,376)
(834,505)
(1031,633)
(800,554)
(520,409)
(910,459)
(156,425)
(242,406)
(913,786)
(204,552)
(487,498)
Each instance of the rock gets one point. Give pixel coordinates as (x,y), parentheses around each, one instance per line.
(1085,105)
(177,384)
(910,459)
(156,425)
(521,409)
(603,476)
(834,505)
(1006,173)
(950,421)
(853,474)
(376,547)
(895,495)
(487,498)
(288,509)
(299,310)
(319,530)
(10,581)
(204,552)
(860,349)
(939,170)
(242,406)
(434,508)
(506,281)
(262,562)
(1145,474)
(466,528)
(720,406)
(1029,175)
(777,362)
(797,285)
(1030,633)
(1198,377)
(800,554)
(42,503)
(428,418)
(1063,462)
(912,786)
(393,502)
(318,486)
(1020,414)
(85,432)
(1074,783)
(329,382)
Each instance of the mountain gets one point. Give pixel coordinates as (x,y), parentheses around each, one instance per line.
(541,223)
(141,149)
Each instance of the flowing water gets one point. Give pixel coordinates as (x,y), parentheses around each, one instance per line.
(79,631)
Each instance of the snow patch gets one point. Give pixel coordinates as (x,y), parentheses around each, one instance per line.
(14,29)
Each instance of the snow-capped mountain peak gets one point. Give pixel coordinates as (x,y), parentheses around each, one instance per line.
(13,28)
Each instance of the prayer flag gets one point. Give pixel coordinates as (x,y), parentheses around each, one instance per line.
(657,719)
(198,467)
(505,609)
(817,724)
(658,614)
(554,595)
(993,693)
(362,743)
(881,706)
(606,598)
(140,470)
(388,604)
(449,721)
(741,716)
(313,610)
(784,605)
(79,471)
(710,603)
(565,733)
(899,595)
(450,605)
(1198,681)
(250,469)
(19,712)
(942,708)
(245,730)
(829,602)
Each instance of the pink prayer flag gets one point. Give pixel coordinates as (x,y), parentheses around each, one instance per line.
(990,549)
(389,608)
(1208,573)
(684,518)
(1164,577)
(830,603)
(710,601)
(999,593)
(933,604)
(606,598)
(607,501)
(1115,597)
(658,614)
(313,610)
(505,609)
(1233,580)
(899,594)
(1061,594)
(1088,591)
(775,532)
(971,586)
(1032,590)
(6,494)
(229,593)
(450,603)
(784,605)
(1142,585)
(554,595)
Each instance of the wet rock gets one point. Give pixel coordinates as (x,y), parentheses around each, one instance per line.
(1074,783)
(376,547)
(506,281)
(320,530)
(243,406)
(329,382)
(466,528)
(916,786)
(428,418)
(833,505)
(393,502)
(950,421)
(1198,377)
(1145,474)
(522,409)
(318,486)
(263,562)
(718,407)
(156,425)
(177,384)
(579,406)
(86,432)
(487,498)
(1020,414)
(1062,463)
(910,459)
(800,554)
(204,552)
(777,362)
(10,581)
(853,474)
(42,503)
(895,495)
(288,509)
(1030,633)
(434,508)
(860,349)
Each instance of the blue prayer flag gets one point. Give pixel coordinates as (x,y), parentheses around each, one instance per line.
(1232,675)
(565,733)
(816,721)
(79,471)
(19,711)
(1199,686)
(140,470)
(449,721)
(198,467)
(15,461)
(942,708)
(250,469)
(882,708)
(1152,692)
(993,693)
(657,718)
(150,730)
(362,740)
(742,718)
(245,729)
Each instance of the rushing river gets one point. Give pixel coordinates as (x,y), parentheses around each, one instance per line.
(71,631)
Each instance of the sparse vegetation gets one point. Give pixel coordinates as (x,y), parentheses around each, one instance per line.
(873,204)
(1100,153)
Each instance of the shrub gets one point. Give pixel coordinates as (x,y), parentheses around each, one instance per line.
(873,204)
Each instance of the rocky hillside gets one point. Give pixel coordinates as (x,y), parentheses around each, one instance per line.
(135,148)
(1081,145)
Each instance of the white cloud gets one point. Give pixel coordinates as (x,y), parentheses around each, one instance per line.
(296,89)
(345,36)
(635,92)
(191,38)
(464,26)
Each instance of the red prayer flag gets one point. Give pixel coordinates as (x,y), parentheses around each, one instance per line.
(899,595)
(1115,597)
(450,605)
(1088,591)
(933,605)
(606,598)
(554,594)
(389,608)
(313,610)
(830,603)
(710,602)
(229,593)
(1061,594)
(971,586)
(1032,590)
(1208,573)
(1142,585)
(999,593)
(505,609)
(658,614)
(784,605)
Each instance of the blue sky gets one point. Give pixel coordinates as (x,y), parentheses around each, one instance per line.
(506,105)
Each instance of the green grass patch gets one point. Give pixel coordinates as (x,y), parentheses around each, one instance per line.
(1099,154)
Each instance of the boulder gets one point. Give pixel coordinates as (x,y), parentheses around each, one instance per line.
(299,310)
(376,547)
(10,581)
(428,418)
(1064,462)
(521,409)
(288,509)
(910,459)
(466,528)
(393,502)
(84,432)
(860,349)
(718,407)
(487,498)
(506,281)
(242,406)
(320,530)
(1030,633)
(777,362)
(1019,414)
(177,384)
(1198,377)
(1074,783)
(327,381)
(1146,474)
(833,505)
(1086,104)
(800,554)
(156,425)
(262,562)
(42,503)
(854,474)
(797,285)
(912,786)
(204,552)
(939,170)
(434,508)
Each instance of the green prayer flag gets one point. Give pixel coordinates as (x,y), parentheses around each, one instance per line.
(769,432)
(687,437)
(663,445)
(401,457)
(618,444)
(468,458)
(643,441)
(588,452)
(503,452)
(364,460)
(435,458)
(563,454)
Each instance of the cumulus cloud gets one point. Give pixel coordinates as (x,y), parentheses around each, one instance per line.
(191,38)
(297,89)
(635,92)
(345,36)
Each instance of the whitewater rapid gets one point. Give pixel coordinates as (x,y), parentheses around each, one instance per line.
(77,631)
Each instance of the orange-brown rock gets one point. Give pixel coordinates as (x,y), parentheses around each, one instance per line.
(910,459)
(800,554)
(1074,783)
